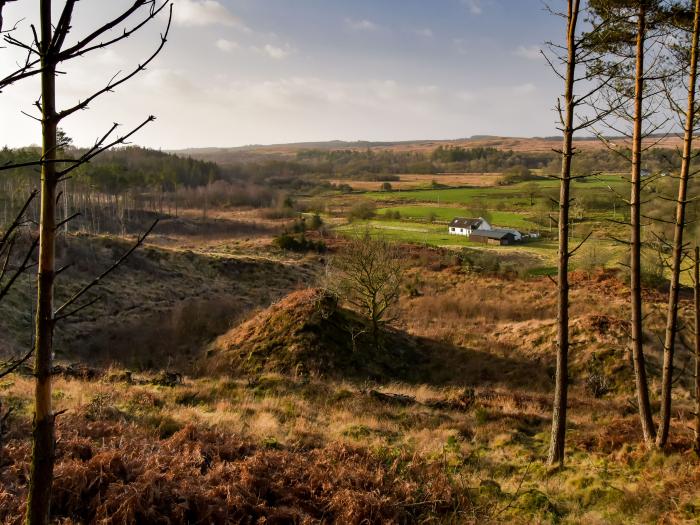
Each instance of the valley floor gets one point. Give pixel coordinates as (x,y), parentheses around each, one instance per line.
(149,436)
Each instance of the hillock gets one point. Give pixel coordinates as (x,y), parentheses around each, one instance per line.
(308,332)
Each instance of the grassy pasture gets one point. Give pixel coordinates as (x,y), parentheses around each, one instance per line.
(437,235)
(446,214)
(524,206)
(515,196)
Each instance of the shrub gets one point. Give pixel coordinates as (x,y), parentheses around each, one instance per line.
(298,243)
(517,174)
(362,210)
(316,222)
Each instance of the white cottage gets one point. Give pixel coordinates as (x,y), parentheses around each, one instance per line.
(462,226)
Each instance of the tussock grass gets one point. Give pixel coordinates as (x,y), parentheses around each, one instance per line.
(218,449)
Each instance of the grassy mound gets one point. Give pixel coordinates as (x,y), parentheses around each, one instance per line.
(309,333)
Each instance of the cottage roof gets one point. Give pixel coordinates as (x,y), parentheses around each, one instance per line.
(461,222)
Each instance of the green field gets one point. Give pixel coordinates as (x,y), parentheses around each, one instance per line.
(425,214)
(434,235)
(504,219)
(516,196)
(598,252)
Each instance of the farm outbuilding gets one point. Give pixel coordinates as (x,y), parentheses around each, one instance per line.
(498,237)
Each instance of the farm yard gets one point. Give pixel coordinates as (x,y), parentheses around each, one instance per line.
(422,216)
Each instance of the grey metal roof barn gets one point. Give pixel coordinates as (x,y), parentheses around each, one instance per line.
(494,234)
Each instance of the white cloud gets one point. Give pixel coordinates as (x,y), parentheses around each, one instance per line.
(198,13)
(361,25)
(170,82)
(298,94)
(524,89)
(466,96)
(474,6)
(226,45)
(528,52)
(426,32)
(427,90)
(112,58)
(277,53)
(460,45)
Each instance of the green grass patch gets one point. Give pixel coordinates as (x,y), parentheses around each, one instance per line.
(504,219)
(543,271)
(511,197)
(437,235)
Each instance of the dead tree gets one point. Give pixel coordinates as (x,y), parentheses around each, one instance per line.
(53,45)
(690,124)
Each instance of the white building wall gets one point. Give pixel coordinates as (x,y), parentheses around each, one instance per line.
(460,231)
(468,231)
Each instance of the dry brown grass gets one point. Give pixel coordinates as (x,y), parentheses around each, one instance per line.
(116,473)
(518,144)
(411,181)
(221,451)
(467,448)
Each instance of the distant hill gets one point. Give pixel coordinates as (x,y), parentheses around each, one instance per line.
(287,151)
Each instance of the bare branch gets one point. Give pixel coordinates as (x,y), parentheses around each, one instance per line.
(96,281)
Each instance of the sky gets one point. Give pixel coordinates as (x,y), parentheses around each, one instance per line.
(241,72)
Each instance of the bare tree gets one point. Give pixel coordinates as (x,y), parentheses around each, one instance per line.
(689,126)
(367,273)
(558,438)
(3,3)
(13,265)
(575,54)
(52,46)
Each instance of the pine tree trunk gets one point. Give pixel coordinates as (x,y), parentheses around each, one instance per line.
(41,470)
(558,438)
(677,257)
(636,239)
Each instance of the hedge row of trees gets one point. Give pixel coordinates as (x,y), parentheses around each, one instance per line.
(123,181)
